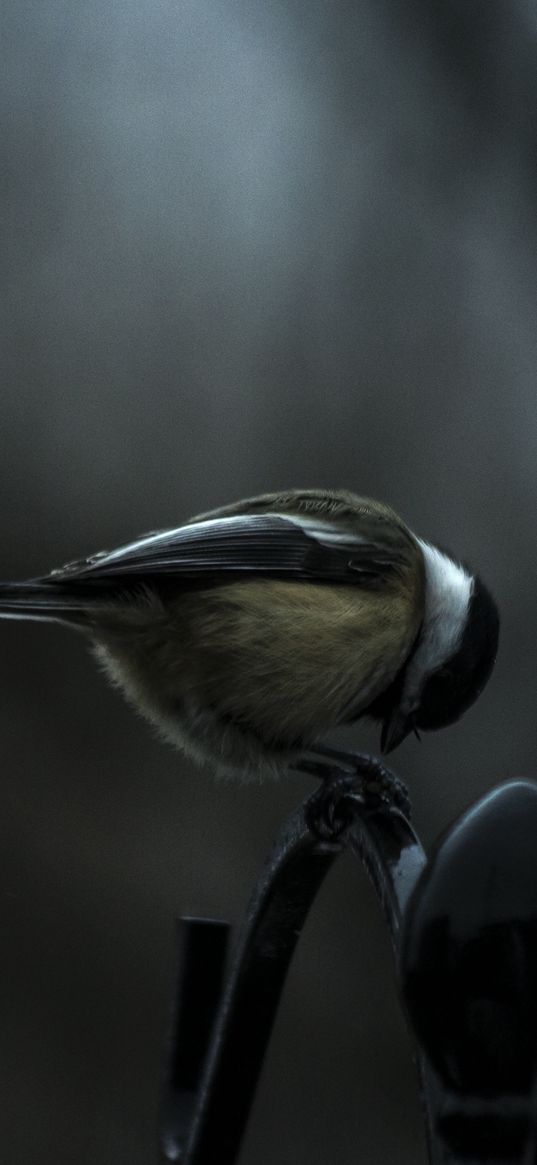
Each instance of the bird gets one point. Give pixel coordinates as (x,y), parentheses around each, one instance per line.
(249,632)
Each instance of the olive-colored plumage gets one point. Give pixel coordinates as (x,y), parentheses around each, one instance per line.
(244,673)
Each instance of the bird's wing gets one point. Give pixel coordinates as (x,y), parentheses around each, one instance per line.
(272,545)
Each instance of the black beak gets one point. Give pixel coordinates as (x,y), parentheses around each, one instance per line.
(395,728)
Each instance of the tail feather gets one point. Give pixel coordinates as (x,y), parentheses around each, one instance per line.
(42,600)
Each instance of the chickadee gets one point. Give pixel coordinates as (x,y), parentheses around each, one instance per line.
(250,631)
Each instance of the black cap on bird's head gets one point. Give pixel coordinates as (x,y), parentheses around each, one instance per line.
(457,684)
(440,695)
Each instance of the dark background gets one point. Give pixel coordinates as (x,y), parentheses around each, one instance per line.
(248,245)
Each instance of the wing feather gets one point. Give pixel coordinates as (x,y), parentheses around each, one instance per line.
(272,545)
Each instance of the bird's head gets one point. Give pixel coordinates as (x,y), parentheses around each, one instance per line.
(453,656)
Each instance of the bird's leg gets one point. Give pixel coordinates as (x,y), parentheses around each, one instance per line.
(378,780)
(349,782)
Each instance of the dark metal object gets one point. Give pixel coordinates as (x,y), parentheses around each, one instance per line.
(202,950)
(311,840)
(468,969)
(464,931)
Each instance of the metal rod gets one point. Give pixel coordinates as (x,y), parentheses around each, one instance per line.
(206,1126)
(464,931)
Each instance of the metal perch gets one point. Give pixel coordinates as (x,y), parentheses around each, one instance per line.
(464,930)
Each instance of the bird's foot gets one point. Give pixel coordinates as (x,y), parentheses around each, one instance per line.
(351,783)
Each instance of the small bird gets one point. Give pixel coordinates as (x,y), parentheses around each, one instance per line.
(247,633)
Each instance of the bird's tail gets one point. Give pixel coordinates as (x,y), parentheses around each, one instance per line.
(45,601)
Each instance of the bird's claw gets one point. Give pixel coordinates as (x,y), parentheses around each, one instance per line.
(352,783)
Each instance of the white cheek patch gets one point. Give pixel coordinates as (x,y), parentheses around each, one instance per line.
(448,588)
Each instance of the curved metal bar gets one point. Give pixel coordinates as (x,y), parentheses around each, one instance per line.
(203,1120)
(274,919)
(466,948)
(392,854)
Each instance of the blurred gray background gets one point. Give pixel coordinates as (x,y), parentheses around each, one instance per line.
(247,245)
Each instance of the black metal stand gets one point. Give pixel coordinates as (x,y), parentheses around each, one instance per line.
(464,930)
